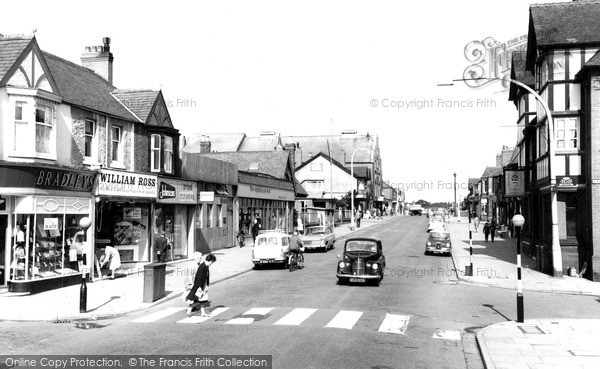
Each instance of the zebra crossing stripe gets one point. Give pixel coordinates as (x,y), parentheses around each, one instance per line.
(295,317)
(194,319)
(345,319)
(394,323)
(158,315)
(249,320)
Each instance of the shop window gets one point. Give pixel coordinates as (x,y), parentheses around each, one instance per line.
(155,153)
(209,216)
(168,157)
(200,216)
(116,143)
(220,216)
(571,216)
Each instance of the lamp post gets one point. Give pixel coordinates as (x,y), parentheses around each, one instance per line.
(518,222)
(352,192)
(455,203)
(556,251)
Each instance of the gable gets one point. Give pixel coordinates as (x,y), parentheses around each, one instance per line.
(31,71)
(159,114)
(320,168)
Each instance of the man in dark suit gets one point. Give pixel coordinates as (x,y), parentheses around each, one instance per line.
(161,246)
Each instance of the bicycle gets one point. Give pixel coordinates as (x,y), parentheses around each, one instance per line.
(295,261)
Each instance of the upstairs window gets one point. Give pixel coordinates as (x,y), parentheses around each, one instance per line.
(116,143)
(155,153)
(90,130)
(566,134)
(44,127)
(20,127)
(168,158)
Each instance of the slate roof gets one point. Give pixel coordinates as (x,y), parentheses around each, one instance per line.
(10,49)
(271,163)
(326,157)
(519,73)
(81,86)
(473,182)
(140,102)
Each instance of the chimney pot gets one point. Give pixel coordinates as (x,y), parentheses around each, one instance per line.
(101,62)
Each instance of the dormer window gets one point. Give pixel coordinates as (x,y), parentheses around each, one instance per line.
(168,158)
(155,145)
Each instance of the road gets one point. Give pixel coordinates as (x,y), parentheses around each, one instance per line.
(305,320)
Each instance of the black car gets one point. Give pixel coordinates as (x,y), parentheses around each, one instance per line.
(362,261)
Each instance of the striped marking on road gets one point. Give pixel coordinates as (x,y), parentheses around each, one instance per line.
(345,319)
(394,323)
(195,319)
(249,320)
(295,317)
(158,315)
(447,335)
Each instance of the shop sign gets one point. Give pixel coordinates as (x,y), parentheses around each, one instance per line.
(50,224)
(207,196)
(115,183)
(260,192)
(567,181)
(514,181)
(176,192)
(46,178)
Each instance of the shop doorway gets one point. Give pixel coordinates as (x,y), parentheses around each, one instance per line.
(3,231)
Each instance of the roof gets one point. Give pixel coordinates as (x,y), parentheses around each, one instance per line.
(519,73)
(326,157)
(140,102)
(473,182)
(219,142)
(271,163)
(553,24)
(491,172)
(11,47)
(81,86)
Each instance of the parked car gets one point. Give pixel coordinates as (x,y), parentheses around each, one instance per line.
(271,248)
(363,261)
(438,242)
(320,237)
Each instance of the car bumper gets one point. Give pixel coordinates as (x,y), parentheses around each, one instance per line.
(269,261)
(364,276)
(315,246)
(441,250)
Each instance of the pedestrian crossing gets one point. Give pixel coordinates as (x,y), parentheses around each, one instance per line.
(388,323)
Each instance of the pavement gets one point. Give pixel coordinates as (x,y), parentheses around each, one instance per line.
(112,298)
(535,343)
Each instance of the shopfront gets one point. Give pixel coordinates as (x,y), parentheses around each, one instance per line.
(173,214)
(42,242)
(272,205)
(124,211)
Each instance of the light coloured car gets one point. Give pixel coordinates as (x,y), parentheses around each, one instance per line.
(271,248)
(438,242)
(318,237)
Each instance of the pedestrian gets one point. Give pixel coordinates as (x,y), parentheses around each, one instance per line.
(486,230)
(379,215)
(161,247)
(110,259)
(476,223)
(198,295)
(493,227)
(255,228)
(358,218)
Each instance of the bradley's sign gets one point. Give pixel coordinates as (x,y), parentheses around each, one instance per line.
(46,178)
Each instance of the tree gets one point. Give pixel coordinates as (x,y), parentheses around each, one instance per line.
(344,202)
(423,203)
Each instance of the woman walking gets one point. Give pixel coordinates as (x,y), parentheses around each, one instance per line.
(476,223)
(486,231)
(199,293)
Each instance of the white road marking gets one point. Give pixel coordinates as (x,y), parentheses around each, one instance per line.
(258,311)
(447,335)
(195,319)
(158,315)
(345,319)
(394,323)
(295,317)
(248,320)
(240,321)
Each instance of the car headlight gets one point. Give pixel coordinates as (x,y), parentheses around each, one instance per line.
(428,243)
(342,265)
(375,266)
(448,244)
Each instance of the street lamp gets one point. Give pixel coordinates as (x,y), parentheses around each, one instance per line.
(518,222)
(455,203)
(556,251)
(352,175)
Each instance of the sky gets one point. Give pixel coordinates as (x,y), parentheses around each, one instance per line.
(310,68)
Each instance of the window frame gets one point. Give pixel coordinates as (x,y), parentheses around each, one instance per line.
(92,138)
(154,166)
(168,154)
(119,150)
(565,139)
(51,125)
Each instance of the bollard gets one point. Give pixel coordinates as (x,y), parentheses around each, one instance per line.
(83,294)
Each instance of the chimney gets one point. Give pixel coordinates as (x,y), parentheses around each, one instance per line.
(99,59)
(205,145)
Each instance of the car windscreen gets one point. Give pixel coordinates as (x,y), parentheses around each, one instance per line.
(314,231)
(440,235)
(361,246)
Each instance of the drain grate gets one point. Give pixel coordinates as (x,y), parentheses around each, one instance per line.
(61,321)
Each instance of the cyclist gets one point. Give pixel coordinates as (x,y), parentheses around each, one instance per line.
(296,245)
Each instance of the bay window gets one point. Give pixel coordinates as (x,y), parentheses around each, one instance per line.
(566,133)
(168,158)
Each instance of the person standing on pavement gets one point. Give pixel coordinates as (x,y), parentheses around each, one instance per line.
(493,227)
(476,223)
(161,246)
(255,228)
(486,231)
(110,259)
(358,218)
(198,295)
